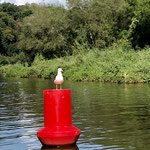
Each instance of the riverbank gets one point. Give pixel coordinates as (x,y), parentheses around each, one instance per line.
(107,65)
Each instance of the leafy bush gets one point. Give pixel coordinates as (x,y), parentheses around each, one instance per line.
(105,65)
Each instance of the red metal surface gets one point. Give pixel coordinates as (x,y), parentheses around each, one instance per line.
(58,129)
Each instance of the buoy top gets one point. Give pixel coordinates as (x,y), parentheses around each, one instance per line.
(53,90)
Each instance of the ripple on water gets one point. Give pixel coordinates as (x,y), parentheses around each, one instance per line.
(110,116)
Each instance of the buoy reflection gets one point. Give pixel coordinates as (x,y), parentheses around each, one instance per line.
(70,147)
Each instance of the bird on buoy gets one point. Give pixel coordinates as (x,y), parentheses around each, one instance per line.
(59,78)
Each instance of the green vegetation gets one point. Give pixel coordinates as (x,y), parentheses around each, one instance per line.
(107,65)
(91,40)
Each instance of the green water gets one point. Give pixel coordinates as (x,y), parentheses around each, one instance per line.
(110,116)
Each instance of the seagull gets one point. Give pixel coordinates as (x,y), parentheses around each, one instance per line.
(59,78)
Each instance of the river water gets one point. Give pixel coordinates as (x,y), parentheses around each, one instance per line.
(110,116)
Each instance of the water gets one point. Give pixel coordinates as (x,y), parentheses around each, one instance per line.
(110,116)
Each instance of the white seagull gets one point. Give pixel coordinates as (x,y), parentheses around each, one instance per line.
(59,78)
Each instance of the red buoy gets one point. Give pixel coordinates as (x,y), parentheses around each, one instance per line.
(58,128)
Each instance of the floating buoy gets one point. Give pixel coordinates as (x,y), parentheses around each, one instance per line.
(58,128)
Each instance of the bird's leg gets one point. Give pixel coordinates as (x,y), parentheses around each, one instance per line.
(60,86)
(56,87)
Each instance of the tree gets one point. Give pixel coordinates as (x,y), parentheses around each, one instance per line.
(140,26)
(7,34)
(10,14)
(136,28)
(95,22)
(43,32)
(17,12)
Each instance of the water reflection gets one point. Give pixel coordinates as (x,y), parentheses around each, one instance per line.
(70,147)
(110,116)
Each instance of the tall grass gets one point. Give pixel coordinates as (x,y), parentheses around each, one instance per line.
(107,65)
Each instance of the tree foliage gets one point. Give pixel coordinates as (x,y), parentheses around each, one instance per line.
(141,24)
(9,16)
(7,34)
(17,12)
(56,31)
(95,22)
(44,32)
